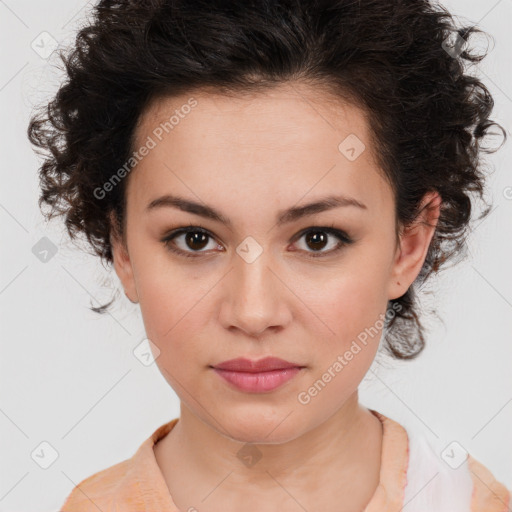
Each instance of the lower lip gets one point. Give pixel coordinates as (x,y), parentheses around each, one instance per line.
(258,382)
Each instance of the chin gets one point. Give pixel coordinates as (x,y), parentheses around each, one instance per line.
(257,429)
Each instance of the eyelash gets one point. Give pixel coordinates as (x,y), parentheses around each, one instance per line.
(341,235)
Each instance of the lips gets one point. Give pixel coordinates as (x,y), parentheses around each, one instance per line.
(266,364)
(263,376)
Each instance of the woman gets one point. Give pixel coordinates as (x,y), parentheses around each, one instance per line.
(272,181)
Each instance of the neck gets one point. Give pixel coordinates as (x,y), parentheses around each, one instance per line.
(342,454)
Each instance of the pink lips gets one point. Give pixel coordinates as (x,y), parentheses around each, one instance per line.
(257,376)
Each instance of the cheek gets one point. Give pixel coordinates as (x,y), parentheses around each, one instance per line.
(351,308)
(352,303)
(167,299)
(172,323)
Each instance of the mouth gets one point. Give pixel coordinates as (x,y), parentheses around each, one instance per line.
(267,364)
(260,376)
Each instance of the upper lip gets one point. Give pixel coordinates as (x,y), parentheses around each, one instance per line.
(266,364)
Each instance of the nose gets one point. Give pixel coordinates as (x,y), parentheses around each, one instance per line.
(254,298)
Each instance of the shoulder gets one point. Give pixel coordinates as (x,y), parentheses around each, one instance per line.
(128,486)
(447,478)
(97,491)
(488,493)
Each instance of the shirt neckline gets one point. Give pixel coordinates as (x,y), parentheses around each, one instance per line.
(388,495)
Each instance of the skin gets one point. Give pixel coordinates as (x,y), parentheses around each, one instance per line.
(251,157)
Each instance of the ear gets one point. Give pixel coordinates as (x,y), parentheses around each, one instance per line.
(413,246)
(121,260)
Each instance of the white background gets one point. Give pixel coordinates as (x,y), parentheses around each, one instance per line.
(69,376)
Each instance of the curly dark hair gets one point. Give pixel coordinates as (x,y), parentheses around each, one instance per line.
(402,61)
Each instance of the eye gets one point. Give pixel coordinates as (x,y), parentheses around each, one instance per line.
(196,238)
(318,237)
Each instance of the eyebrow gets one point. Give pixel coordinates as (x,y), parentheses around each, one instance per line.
(283,217)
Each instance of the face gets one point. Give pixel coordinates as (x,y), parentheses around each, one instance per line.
(265,276)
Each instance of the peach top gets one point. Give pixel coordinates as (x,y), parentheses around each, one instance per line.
(137,484)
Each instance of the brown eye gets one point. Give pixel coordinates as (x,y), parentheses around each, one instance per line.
(318,238)
(195,240)
(190,241)
(187,241)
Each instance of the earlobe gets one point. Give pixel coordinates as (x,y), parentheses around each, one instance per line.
(122,264)
(414,245)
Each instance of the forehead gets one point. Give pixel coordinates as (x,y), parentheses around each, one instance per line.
(288,141)
(295,112)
